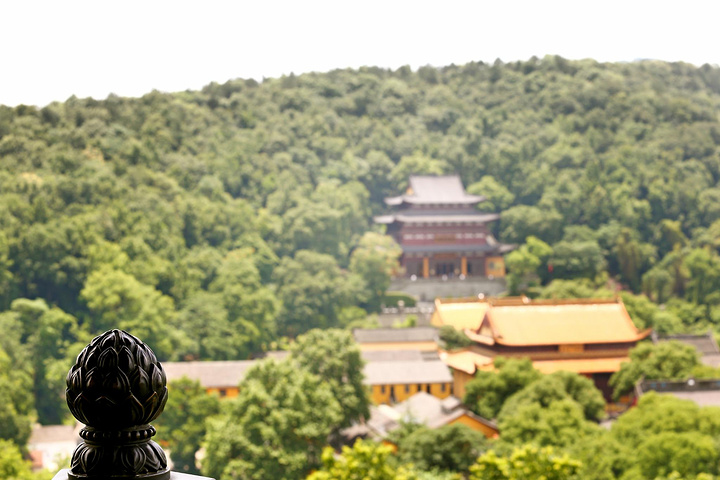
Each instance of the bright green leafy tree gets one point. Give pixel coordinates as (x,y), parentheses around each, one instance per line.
(375,259)
(365,460)
(450,448)
(488,391)
(334,357)
(525,463)
(671,360)
(183,423)
(276,427)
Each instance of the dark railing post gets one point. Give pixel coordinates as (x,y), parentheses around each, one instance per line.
(116,388)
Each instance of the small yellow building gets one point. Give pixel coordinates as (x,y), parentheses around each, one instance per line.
(395,381)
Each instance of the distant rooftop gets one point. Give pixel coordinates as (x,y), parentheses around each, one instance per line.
(520,321)
(395,335)
(562,323)
(399,355)
(704,392)
(388,367)
(54,434)
(435,190)
(406,372)
(704,343)
(461,313)
(421,408)
(438,218)
(210,374)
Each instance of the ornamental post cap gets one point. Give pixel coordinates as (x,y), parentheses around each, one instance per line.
(116,388)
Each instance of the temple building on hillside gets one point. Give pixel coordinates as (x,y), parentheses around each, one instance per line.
(587,336)
(441,232)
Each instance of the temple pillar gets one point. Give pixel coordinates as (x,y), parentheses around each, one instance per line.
(463,266)
(426,267)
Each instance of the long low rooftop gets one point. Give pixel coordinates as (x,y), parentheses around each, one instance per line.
(381,368)
(220,374)
(393,335)
(406,372)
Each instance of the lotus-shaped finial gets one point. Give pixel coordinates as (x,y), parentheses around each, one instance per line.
(116,383)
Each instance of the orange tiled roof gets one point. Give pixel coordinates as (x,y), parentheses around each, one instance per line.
(467,361)
(562,323)
(461,314)
(476,337)
(583,365)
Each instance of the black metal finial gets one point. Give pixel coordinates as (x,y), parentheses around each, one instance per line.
(116,388)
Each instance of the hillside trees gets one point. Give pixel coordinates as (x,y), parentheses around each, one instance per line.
(12,464)
(313,291)
(585,142)
(488,391)
(363,460)
(183,422)
(553,410)
(669,435)
(276,428)
(670,360)
(17,403)
(525,462)
(212,222)
(450,448)
(375,260)
(334,356)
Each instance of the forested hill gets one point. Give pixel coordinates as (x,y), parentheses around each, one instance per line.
(210,223)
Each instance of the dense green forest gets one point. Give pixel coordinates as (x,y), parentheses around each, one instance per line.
(213,224)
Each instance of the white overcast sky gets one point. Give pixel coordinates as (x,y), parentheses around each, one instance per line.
(50,50)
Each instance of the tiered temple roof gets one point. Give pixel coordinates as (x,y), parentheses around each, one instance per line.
(441,232)
(435,190)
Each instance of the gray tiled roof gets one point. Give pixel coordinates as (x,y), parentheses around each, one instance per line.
(406,372)
(399,355)
(711,360)
(393,355)
(54,434)
(393,367)
(704,343)
(209,374)
(438,218)
(704,392)
(394,335)
(429,410)
(436,190)
(420,408)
